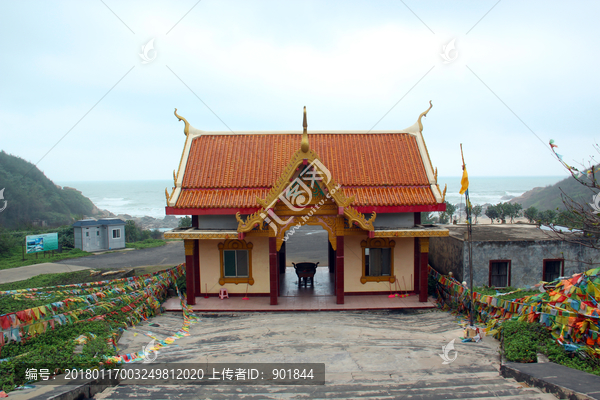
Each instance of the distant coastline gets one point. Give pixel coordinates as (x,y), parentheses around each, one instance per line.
(144,201)
(141,201)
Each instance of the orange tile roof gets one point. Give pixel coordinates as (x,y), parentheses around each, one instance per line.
(220,198)
(231,170)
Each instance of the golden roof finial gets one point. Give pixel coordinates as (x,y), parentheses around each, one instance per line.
(304,144)
(186,130)
(424,114)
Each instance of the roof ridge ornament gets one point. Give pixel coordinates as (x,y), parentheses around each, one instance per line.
(424,114)
(186,130)
(304,143)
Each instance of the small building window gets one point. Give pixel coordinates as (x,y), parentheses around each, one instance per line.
(378,260)
(553,269)
(97,233)
(236,262)
(499,275)
(87,234)
(116,233)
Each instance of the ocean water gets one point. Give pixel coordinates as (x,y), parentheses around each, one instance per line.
(136,198)
(493,190)
(141,198)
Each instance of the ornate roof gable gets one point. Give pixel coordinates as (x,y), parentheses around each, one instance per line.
(292,189)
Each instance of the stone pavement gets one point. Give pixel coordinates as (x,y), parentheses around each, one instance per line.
(29,271)
(376,354)
(168,255)
(564,381)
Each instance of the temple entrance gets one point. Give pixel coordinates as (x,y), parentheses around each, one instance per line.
(309,244)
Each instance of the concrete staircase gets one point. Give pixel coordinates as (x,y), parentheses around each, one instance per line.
(468,383)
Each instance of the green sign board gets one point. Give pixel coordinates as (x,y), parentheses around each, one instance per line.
(44,242)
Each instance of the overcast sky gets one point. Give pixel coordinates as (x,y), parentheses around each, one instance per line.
(520,69)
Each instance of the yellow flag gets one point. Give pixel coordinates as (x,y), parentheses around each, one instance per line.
(464,182)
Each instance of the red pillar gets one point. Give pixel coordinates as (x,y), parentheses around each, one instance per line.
(424,242)
(189,271)
(417,267)
(197,284)
(339,270)
(273,271)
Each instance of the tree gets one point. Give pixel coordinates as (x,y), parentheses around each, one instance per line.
(531,214)
(580,213)
(132,232)
(514,211)
(492,213)
(185,222)
(476,211)
(569,219)
(7,241)
(427,218)
(447,215)
(547,217)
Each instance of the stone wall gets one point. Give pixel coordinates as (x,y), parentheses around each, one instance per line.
(446,255)
(527,259)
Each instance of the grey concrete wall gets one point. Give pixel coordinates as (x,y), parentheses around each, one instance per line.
(227,222)
(394,220)
(91,239)
(446,255)
(116,243)
(77,237)
(527,259)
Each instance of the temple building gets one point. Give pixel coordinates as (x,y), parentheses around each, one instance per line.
(247,192)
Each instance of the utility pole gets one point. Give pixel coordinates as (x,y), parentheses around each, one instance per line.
(469,243)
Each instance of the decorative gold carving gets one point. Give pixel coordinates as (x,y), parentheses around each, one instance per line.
(189,247)
(355,216)
(444,194)
(167,195)
(236,245)
(424,243)
(174,179)
(259,233)
(251,222)
(326,209)
(186,129)
(435,175)
(378,243)
(200,235)
(424,114)
(412,233)
(328,223)
(304,143)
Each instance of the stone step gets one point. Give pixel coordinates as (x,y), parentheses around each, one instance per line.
(468,388)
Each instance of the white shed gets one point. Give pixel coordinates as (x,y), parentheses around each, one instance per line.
(98,235)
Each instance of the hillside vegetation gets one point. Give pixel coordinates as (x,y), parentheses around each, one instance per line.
(549,197)
(30,195)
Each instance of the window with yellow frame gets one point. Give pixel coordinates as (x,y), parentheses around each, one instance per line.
(236,262)
(377,260)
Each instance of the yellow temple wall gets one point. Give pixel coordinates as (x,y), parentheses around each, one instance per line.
(210,267)
(404,264)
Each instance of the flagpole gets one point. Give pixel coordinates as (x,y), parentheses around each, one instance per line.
(469,244)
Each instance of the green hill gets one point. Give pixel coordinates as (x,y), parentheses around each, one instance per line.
(549,197)
(30,196)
